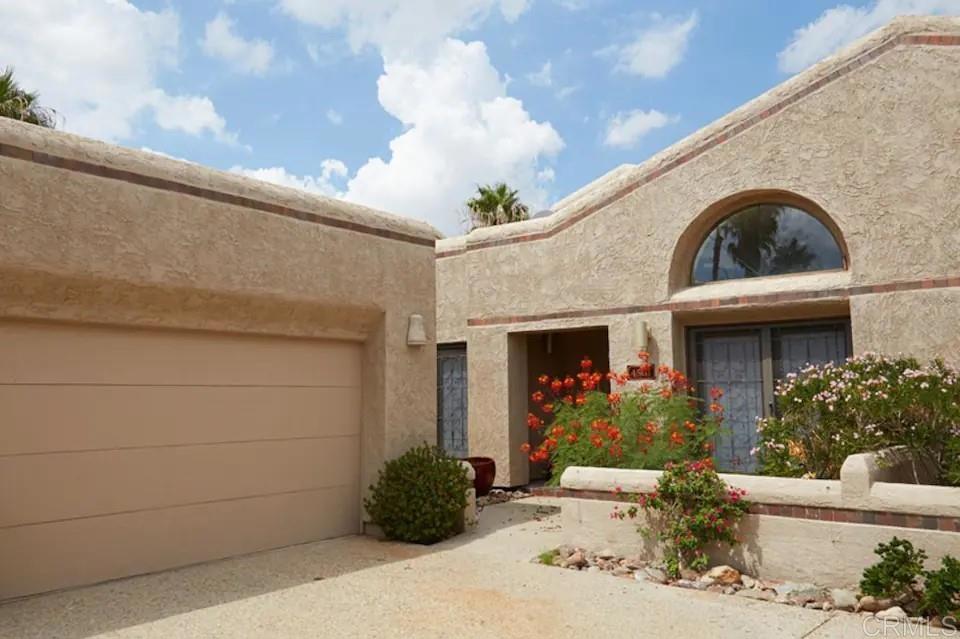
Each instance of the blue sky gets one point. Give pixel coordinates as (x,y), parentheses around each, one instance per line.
(406,105)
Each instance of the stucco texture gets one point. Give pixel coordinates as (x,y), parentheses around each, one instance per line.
(81,247)
(875,147)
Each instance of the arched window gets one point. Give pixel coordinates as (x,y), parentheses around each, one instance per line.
(766,239)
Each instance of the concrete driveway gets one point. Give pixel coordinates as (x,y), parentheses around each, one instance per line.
(478,585)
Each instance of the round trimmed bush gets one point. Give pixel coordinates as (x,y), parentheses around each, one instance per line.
(420,496)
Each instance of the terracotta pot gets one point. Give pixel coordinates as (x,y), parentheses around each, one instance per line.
(486,471)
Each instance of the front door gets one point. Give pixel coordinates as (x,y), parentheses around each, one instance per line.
(745,363)
(452,399)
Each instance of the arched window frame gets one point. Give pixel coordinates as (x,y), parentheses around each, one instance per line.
(698,231)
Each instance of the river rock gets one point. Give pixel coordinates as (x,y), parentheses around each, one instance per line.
(655,575)
(895,613)
(843,599)
(762,595)
(724,575)
(872,604)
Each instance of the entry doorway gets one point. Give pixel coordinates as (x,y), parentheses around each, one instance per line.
(558,354)
(746,362)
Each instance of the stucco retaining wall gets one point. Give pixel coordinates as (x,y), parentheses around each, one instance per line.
(819,531)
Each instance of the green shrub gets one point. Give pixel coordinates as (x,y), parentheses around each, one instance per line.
(941,596)
(648,426)
(897,571)
(865,404)
(420,496)
(691,508)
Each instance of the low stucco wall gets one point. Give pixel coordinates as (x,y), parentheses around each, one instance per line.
(100,234)
(818,531)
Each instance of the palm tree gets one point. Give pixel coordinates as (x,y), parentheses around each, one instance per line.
(23,105)
(497,204)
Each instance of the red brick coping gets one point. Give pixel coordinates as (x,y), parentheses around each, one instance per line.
(723,302)
(719,138)
(841,515)
(140,179)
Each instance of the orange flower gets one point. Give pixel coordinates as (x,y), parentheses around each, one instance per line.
(614,433)
(613,398)
(537,397)
(644,356)
(547,408)
(580,400)
(572,438)
(549,443)
(676,438)
(533,421)
(616,451)
(544,380)
(569,382)
(568,400)
(716,408)
(666,393)
(596,440)
(586,363)
(557,431)
(556,386)
(716,393)
(651,427)
(525,447)
(690,426)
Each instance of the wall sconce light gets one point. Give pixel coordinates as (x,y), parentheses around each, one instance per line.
(416,333)
(640,338)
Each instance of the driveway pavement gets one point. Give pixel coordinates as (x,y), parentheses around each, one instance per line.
(478,585)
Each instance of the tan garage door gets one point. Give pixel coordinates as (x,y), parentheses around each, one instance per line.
(124,451)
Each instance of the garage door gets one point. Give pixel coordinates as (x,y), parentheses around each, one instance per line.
(126,451)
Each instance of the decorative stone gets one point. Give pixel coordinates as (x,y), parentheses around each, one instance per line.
(690,584)
(724,575)
(689,574)
(594,569)
(652,574)
(620,571)
(577,559)
(564,551)
(895,613)
(748,581)
(730,590)
(843,599)
(827,606)
(606,553)
(872,604)
(633,562)
(762,595)
(789,588)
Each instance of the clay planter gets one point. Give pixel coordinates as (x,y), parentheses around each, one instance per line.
(486,470)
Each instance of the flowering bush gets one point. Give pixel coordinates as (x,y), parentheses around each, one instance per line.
(647,426)
(868,403)
(691,508)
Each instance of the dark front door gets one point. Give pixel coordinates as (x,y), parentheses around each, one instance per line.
(452,400)
(745,363)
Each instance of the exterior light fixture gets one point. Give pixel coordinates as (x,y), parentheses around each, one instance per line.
(640,335)
(416,333)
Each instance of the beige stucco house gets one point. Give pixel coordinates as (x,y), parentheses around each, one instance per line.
(820,219)
(193,364)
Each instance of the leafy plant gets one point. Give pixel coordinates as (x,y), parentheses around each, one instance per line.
(547,557)
(420,496)
(19,104)
(496,204)
(648,426)
(897,571)
(867,403)
(941,596)
(692,507)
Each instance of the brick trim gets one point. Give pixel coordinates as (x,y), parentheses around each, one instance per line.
(726,302)
(731,131)
(149,181)
(839,515)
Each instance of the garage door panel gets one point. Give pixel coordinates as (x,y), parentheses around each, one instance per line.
(39,353)
(45,418)
(86,551)
(50,487)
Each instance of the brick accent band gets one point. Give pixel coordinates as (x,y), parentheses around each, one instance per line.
(728,133)
(726,302)
(140,179)
(839,515)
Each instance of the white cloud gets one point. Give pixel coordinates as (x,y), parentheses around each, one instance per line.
(331,172)
(398,27)
(565,92)
(335,117)
(655,50)
(843,24)
(546,175)
(461,130)
(624,130)
(543,77)
(247,56)
(97,63)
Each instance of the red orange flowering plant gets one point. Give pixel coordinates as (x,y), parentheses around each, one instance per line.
(692,507)
(640,425)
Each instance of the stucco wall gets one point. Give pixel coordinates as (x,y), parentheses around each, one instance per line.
(91,232)
(869,136)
